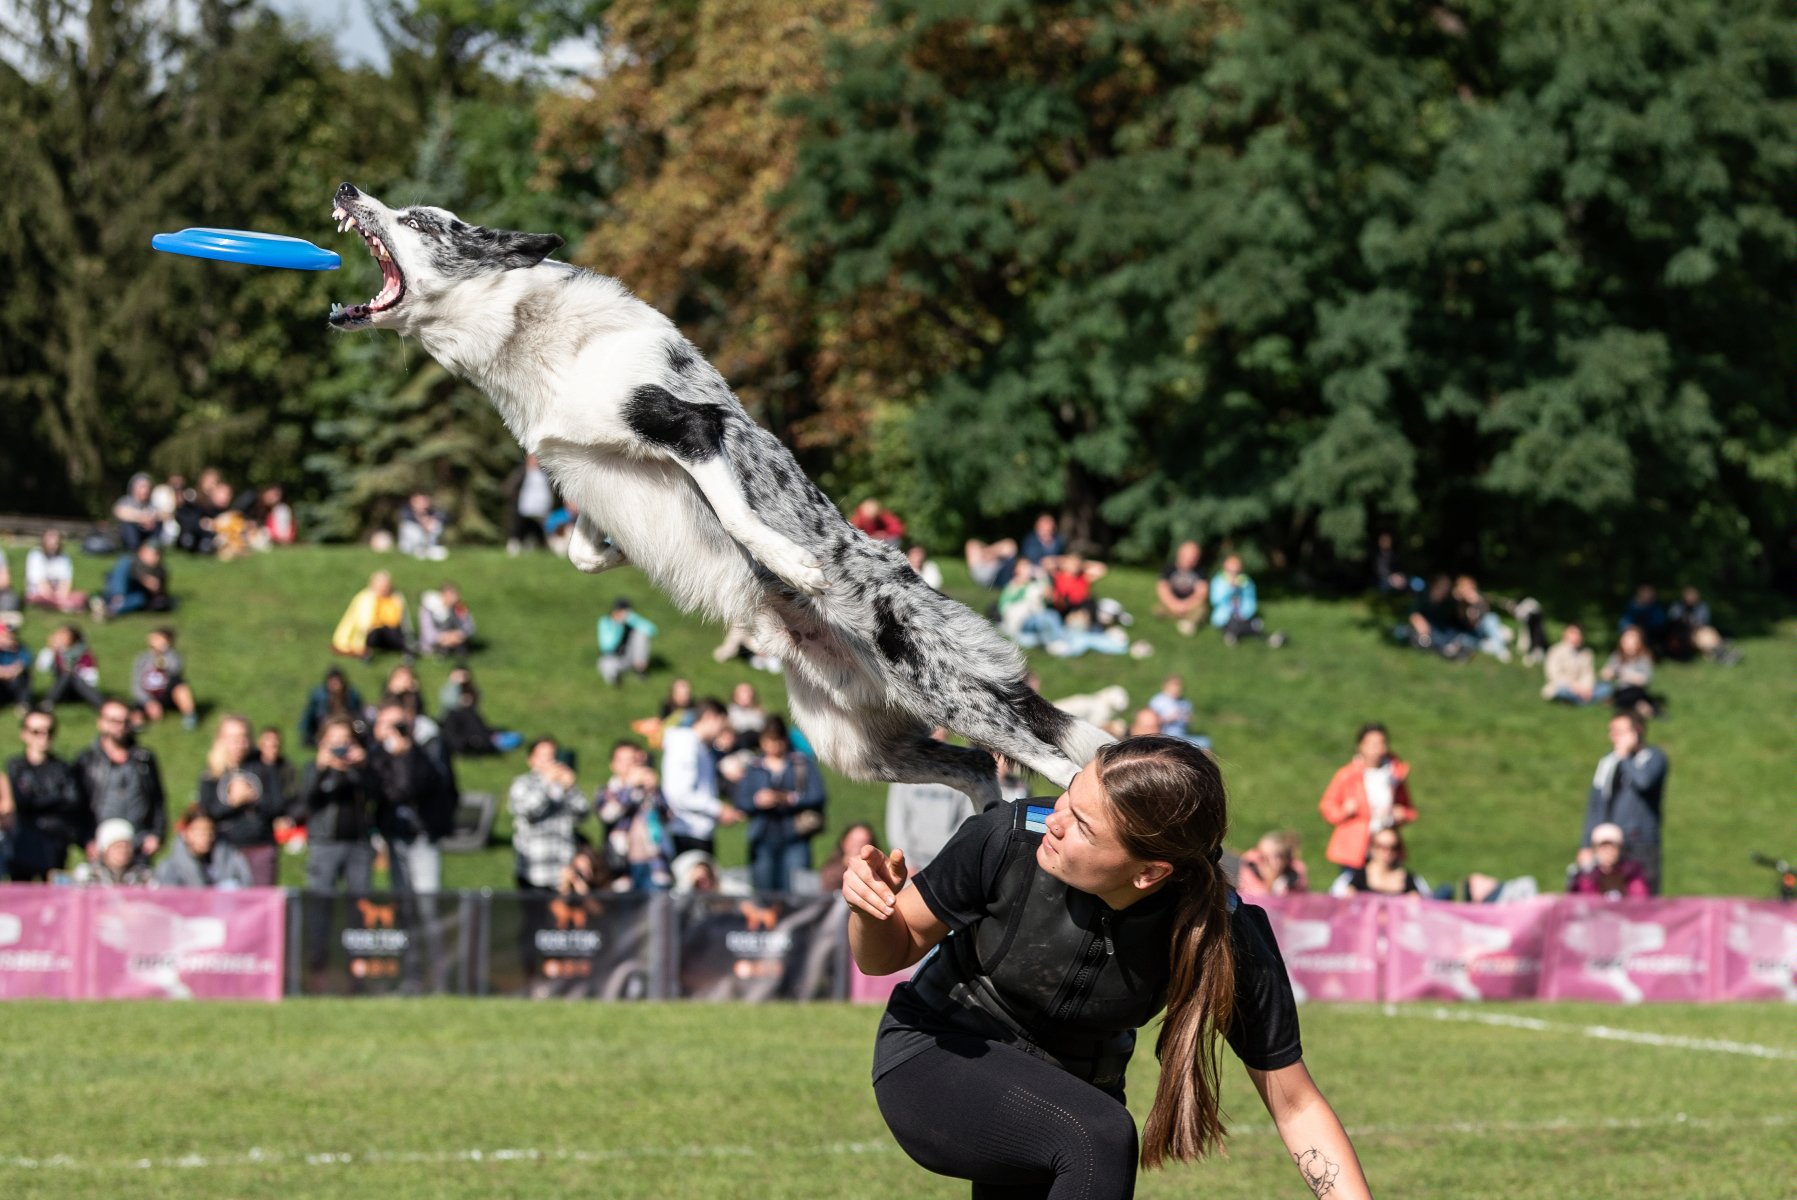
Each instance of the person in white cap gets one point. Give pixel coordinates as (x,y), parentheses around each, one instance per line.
(115,861)
(1609,873)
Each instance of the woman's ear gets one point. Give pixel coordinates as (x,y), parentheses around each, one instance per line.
(1152,873)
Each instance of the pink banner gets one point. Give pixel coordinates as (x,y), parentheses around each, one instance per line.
(1629,950)
(41,932)
(1442,951)
(1330,946)
(1756,949)
(185,943)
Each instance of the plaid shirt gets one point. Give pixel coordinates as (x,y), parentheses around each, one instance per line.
(544,817)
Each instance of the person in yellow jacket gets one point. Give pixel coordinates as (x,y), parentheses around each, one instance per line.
(375,620)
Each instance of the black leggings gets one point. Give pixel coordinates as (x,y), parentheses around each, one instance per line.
(1015,1125)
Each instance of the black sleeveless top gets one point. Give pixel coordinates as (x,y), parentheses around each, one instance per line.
(1056,972)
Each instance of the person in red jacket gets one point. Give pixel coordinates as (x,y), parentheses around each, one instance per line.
(877,521)
(1370,793)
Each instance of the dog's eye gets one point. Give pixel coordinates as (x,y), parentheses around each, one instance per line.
(412,222)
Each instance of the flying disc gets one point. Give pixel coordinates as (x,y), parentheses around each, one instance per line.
(248,246)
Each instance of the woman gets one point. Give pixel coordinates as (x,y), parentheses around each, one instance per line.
(197,859)
(50,577)
(848,847)
(783,794)
(340,795)
(1273,867)
(241,796)
(1629,670)
(1384,873)
(1002,1060)
(1370,793)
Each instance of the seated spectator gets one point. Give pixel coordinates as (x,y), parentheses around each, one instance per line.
(464,729)
(1389,576)
(421,528)
(877,521)
(445,626)
(1070,580)
(1385,872)
(989,563)
(138,582)
(1024,613)
(1691,631)
(50,576)
(51,814)
(10,603)
(1435,624)
(590,874)
(139,523)
(159,681)
(1609,872)
(1043,541)
(1369,794)
(1629,670)
(166,498)
(1475,614)
(782,793)
(848,847)
(340,797)
(1571,671)
(1645,612)
(1182,592)
(1234,606)
(244,799)
(232,532)
(1175,711)
(70,665)
(624,637)
(1273,867)
(532,498)
(197,859)
(334,697)
(269,517)
(1146,723)
(636,818)
(115,861)
(376,619)
(15,669)
(1478,888)
(558,527)
(921,817)
(926,570)
(695,873)
(195,511)
(547,807)
(746,714)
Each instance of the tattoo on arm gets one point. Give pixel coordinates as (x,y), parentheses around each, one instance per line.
(1318,1172)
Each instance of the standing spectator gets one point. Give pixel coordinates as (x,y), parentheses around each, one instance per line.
(1629,790)
(137,517)
(418,802)
(15,668)
(1629,670)
(445,626)
(921,817)
(121,780)
(271,754)
(52,814)
(71,667)
(376,619)
(1385,872)
(421,527)
(159,680)
(1609,872)
(116,861)
(533,499)
(334,697)
(547,808)
(1646,613)
(50,576)
(877,521)
(1042,541)
(242,797)
(1235,607)
(138,582)
(689,778)
(926,569)
(198,859)
(848,848)
(402,689)
(989,563)
(783,794)
(1273,867)
(624,637)
(1571,673)
(746,714)
(1182,592)
(340,796)
(635,815)
(1367,795)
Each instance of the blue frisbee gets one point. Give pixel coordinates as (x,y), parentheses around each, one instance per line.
(248,246)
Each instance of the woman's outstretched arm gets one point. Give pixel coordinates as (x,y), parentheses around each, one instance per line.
(890,926)
(1313,1134)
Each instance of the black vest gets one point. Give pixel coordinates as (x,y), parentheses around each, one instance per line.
(1053,970)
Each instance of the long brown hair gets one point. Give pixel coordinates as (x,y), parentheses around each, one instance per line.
(1168,805)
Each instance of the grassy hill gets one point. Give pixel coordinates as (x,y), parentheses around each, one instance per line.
(1499,777)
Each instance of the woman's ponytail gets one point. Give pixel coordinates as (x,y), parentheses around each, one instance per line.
(1186,1121)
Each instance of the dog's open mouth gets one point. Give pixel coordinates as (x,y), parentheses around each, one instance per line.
(393,283)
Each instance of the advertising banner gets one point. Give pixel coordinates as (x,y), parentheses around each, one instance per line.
(184,943)
(1436,950)
(1330,945)
(593,947)
(1628,950)
(41,934)
(1756,945)
(383,944)
(762,948)
(875,989)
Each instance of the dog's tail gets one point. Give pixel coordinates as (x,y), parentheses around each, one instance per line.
(1077,739)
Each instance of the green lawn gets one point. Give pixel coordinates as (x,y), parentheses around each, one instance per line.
(1499,777)
(445,1098)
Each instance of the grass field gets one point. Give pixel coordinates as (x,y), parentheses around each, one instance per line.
(1499,776)
(452,1098)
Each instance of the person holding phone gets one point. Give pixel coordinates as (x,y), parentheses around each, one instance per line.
(340,796)
(1053,932)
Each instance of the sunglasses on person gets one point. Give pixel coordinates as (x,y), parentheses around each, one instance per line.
(1387,846)
(39,730)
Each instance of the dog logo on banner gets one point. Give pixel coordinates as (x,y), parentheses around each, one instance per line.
(1451,947)
(1768,942)
(156,941)
(1608,944)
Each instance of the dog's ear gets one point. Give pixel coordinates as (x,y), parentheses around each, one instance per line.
(523,249)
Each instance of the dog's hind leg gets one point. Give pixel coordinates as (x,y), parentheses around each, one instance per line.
(590,552)
(1025,728)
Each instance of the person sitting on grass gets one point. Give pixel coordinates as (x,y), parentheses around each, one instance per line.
(334,697)
(159,681)
(1571,673)
(421,528)
(624,637)
(50,577)
(1645,612)
(989,563)
(198,859)
(926,568)
(464,729)
(15,668)
(1607,871)
(1273,867)
(1630,670)
(138,582)
(1690,630)
(877,521)
(1235,607)
(137,517)
(71,667)
(1386,872)
(1175,711)
(1070,580)
(1434,622)
(1182,591)
(445,625)
(376,619)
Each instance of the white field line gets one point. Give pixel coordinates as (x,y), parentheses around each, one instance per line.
(1602,1032)
(278,1158)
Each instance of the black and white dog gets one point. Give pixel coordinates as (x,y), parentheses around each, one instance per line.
(670,474)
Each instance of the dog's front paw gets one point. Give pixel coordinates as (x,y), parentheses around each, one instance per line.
(592,559)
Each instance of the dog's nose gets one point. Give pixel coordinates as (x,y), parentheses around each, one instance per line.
(347,192)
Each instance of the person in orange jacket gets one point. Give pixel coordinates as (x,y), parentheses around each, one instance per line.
(1366,795)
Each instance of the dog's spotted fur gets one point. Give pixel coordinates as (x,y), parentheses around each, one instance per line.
(671,474)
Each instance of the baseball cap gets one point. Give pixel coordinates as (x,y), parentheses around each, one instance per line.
(1607,832)
(114,829)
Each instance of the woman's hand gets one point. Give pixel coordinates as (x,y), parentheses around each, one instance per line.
(872,881)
